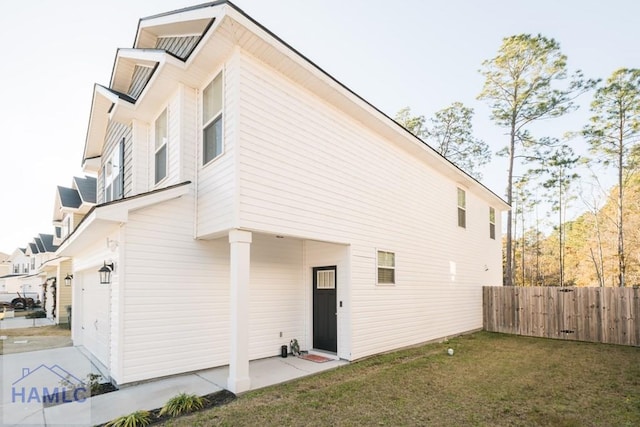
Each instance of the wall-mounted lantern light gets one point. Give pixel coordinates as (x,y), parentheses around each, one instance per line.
(105,273)
(68,279)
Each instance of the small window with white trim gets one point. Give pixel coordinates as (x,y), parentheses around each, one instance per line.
(386,268)
(462,208)
(212,120)
(161,137)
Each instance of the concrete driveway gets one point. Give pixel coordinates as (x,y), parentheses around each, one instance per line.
(32,379)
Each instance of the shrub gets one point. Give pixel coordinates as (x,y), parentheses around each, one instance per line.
(39,314)
(135,419)
(182,404)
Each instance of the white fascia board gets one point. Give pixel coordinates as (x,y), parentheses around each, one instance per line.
(102,101)
(147,57)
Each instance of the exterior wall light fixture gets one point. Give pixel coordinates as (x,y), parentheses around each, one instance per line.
(105,273)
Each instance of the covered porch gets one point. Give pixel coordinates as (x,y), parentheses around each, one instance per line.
(283,288)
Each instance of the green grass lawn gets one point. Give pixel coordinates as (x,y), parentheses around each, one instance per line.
(492,380)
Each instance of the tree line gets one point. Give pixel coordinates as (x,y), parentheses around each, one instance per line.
(528,81)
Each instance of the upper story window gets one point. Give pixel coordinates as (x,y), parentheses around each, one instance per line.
(212,120)
(161,136)
(492,223)
(386,268)
(113,173)
(462,208)
(16,268)
(66,226)
(33,263)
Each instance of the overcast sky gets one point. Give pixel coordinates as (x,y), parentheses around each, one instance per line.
(419,53)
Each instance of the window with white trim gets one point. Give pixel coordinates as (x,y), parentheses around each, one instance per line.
(386,264)
(113,174)
(66,226)
(492,223)
(161,138)
(462,208)
(212,120)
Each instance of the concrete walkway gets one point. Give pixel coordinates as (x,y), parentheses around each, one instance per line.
(26,375)
(23,322)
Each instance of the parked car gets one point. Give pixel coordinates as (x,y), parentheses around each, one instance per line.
(22,303)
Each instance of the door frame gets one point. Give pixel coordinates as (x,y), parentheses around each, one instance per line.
(333,310)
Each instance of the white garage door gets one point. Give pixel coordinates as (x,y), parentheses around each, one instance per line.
(96,326)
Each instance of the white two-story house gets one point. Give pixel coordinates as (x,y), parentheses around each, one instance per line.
(246,197)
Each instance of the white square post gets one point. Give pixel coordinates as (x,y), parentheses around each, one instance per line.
(240,262)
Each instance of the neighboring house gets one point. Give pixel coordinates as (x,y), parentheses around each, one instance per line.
(246,198)
(19,267)
(5,265)
(70,206)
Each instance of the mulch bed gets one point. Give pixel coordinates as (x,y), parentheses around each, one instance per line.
(60,398)
(212,400)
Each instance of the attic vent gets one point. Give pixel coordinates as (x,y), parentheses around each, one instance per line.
(178,46)
(141,76)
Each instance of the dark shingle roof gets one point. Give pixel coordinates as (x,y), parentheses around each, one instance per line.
(47,241)
(34,248)
(69,198)
(40,244)
(86,188)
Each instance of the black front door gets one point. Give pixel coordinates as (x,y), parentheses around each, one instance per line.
(325,330)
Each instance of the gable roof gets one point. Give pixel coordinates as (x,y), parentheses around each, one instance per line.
(34,248)
(223,26)
(69,198)
(40,244)
(87,188)
(47,242)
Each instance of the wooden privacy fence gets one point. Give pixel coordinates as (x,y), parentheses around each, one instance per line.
(606,315)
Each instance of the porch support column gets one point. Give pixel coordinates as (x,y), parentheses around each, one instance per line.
(240,245)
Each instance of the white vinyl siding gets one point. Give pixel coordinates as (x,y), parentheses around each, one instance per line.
(308,170)
(176,295)
(277,295)
(217,188)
